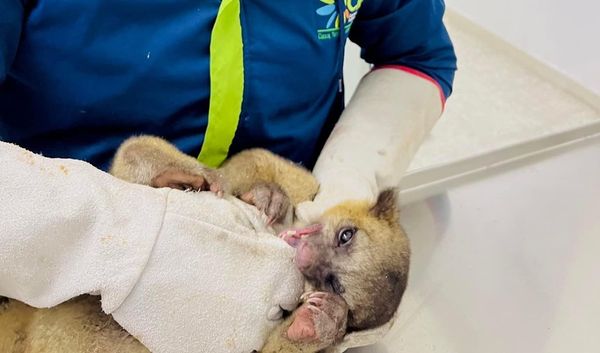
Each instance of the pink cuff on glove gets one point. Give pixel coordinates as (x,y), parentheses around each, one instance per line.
(418,73)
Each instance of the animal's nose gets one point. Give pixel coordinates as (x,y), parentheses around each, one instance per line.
(293,237)
(309,230)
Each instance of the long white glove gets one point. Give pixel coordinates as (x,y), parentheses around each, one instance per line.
(182,272)
(371,147)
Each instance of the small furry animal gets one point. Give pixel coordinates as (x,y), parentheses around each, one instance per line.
(355,259)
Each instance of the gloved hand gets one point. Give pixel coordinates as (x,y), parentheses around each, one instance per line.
(371,147)
(182,272)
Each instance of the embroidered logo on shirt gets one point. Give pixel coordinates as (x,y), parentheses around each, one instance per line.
(329,15)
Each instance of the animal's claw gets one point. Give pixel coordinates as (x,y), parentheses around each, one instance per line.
(270,199)
(321,320)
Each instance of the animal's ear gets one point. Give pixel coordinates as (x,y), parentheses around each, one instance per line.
(386,206)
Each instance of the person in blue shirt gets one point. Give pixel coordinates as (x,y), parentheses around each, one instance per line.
(218,77)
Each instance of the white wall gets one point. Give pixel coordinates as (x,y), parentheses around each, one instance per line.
(563,34)
(354,69)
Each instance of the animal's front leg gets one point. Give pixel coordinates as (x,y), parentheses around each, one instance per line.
(181,179)
(152,161)
(251,167)
(317,324)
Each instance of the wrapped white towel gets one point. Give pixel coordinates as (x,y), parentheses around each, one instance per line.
(182,272)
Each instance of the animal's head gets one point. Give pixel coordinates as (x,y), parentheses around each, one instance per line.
(359,251)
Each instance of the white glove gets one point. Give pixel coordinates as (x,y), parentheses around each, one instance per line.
(370,148)
(182,272)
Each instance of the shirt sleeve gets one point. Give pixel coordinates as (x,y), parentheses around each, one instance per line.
(11,17)
(407,34)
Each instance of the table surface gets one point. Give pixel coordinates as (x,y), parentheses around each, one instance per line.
(506,264)
(502,101)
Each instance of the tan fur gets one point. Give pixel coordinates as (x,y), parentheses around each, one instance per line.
(141,158)
(374,280)
(373,270)
(76,326)
(245,169)
(381,250)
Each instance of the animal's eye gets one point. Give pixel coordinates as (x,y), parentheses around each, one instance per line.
(345,235)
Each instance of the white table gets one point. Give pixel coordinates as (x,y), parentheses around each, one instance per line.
(507,264)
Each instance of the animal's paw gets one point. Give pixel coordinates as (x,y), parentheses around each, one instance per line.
(270,199)
(320,321)
(200,180)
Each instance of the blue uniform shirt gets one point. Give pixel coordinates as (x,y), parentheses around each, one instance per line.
(78,77)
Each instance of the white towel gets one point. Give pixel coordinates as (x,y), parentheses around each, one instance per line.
(182,272)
